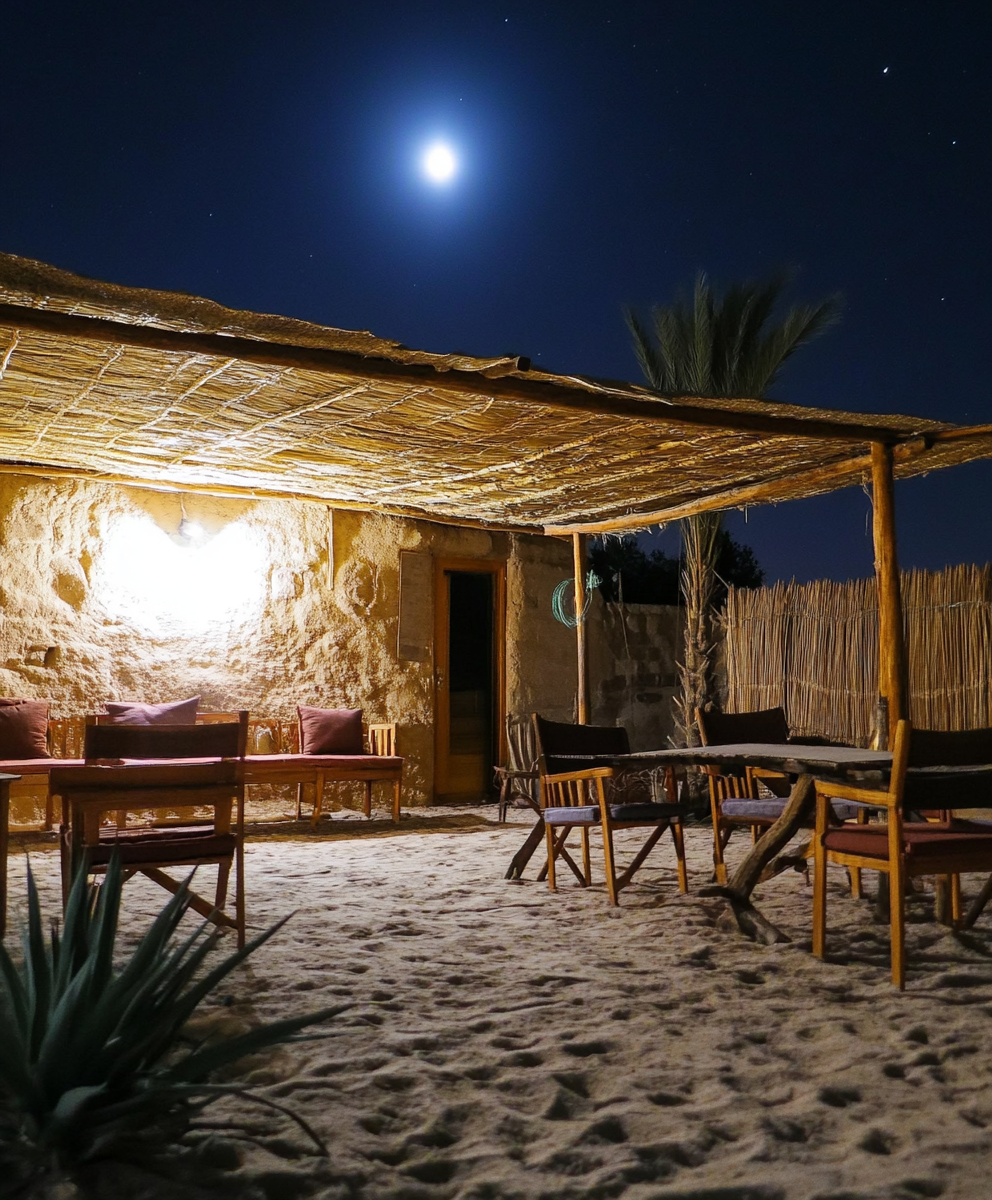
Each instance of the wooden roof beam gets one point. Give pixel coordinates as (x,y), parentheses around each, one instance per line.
(468,383)
(765,491)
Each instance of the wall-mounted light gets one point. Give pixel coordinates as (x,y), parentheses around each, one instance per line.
(167,584)
(191,532)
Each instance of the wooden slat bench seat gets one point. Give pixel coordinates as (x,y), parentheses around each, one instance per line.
(317,769)
(65,741)
(320,769)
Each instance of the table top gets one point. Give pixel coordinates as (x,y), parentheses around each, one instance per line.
(783,756)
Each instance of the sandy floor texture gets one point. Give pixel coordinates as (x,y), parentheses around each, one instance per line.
(506,1042)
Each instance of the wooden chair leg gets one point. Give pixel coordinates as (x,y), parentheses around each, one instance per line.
(299,802)
(504,800)
(550,834)
(955,900)
(318,800)
(223,876)
(368,801)
(819,898)
(942,899)
(611,877)
(854,874)
(49,812)
(897,922)
(239,894)
(586,863)
(396,802)
(719,842)
(678,838)
(4,850)
(755,834)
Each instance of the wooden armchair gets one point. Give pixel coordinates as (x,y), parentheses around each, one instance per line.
(576,794)
(900,848)
(519,778)
(734,798)
(136,769)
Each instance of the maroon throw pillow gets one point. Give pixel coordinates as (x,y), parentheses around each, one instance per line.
(331,730)
(9,702)
(179,712)
(24,729)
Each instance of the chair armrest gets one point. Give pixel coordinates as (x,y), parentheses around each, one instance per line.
(827,790)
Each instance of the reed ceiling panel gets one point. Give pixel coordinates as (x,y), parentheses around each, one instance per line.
(173,390)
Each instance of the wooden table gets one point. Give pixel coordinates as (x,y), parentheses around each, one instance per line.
(826,762)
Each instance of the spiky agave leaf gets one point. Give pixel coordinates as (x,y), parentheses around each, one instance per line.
(90,1053)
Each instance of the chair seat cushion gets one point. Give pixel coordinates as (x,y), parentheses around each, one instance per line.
(920,841)
(356,762)
(34,766)
(588,814)
(162,845)
(644,812)
(580,814)
(771,809)
(764,810)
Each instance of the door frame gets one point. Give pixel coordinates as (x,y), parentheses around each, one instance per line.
(496,567)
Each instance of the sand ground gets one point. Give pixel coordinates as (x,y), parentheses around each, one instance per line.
(506,1042)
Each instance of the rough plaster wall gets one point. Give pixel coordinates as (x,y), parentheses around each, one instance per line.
(102,599)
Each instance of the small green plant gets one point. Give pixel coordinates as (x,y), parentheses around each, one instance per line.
(93,1062)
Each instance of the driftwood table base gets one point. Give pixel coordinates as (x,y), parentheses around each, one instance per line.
(798,811)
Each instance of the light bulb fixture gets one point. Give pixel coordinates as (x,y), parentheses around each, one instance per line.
(191,532)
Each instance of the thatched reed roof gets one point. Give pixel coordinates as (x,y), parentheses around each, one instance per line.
(164,389)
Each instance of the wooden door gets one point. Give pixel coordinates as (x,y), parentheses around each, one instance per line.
(469,710)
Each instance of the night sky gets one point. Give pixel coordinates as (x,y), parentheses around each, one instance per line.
(268,156)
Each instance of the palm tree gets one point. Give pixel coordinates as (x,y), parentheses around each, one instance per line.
(721,346)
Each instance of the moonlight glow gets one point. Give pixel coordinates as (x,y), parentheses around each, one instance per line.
(439,163)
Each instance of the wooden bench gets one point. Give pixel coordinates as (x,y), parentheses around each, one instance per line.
(273,758)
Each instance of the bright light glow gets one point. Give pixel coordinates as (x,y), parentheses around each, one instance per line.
(191,531)
(214,585)
(439,163)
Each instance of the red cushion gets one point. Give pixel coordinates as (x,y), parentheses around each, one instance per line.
(920,840)
(178,712)
(331,730)
(24,729)
(149,845)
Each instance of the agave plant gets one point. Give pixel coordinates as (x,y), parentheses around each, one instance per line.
(92,1055)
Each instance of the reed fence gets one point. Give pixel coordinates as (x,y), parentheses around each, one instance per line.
(813,648)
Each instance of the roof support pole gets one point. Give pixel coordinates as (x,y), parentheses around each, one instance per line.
(892,674)
(581,645)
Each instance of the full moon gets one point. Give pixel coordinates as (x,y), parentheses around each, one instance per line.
(439,163)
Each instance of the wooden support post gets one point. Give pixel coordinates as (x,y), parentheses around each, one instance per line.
(581,645)
(892,681)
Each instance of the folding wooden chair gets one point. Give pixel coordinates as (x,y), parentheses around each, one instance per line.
(519,778)
(579,796)
(139,769)
(903,849)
